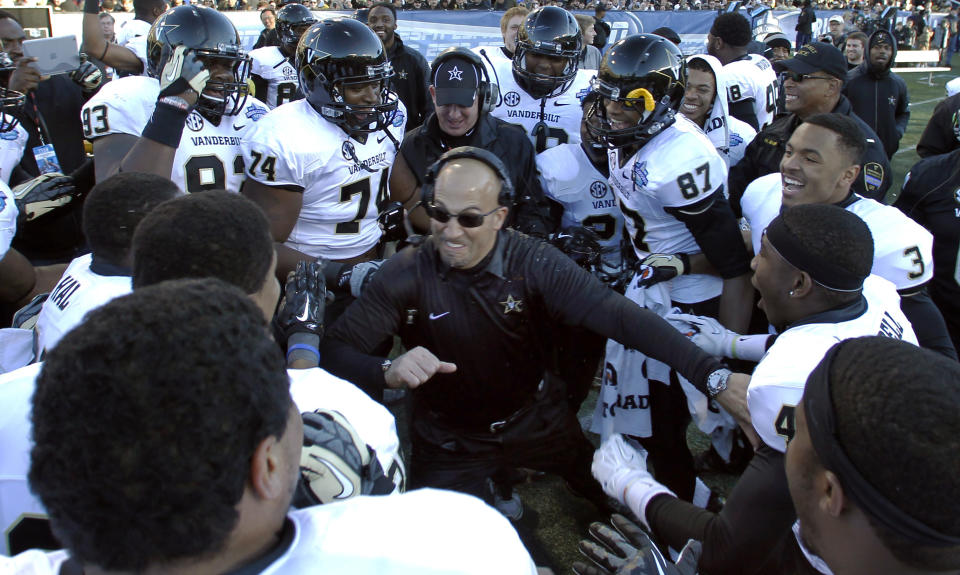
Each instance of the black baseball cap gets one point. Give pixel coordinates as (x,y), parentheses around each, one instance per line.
(456,81)
(815,56)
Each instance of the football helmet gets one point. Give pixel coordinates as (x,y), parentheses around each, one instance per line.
(213,38)
(645,72)
(10,100)
(293,20)
(549,31)
(338,52)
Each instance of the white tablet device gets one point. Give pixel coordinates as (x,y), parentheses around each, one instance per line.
(54,55)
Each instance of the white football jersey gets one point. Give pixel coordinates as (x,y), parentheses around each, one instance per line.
(282,81)
(18,506)
(79,290)
(8,219)
(569,177)
(342,178)
(315,388)
(492,55)
(208,157)
(752,76)
(778,380)
(130,29)
(676,168)
(561,114)
(902,248)
(410,534)
(12,144)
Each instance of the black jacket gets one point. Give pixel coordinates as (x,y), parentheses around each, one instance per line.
(268,37)
(411,76)
(763,156)
(942,134)
(531,213)
(880,97)
(805,20)
(603,33)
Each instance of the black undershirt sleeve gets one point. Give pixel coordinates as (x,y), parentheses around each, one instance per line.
(928,323)
(743,111)
(738,539)
(259,87)
(713,225)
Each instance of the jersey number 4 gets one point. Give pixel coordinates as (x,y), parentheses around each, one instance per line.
(361,187)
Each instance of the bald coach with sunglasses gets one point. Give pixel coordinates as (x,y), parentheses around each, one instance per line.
(478,306)
(812,81)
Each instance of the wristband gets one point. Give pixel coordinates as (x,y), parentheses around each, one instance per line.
(92,7)
(166,124)
(304,347)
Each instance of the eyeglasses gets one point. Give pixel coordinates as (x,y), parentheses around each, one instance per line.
(466,220)
(797,77)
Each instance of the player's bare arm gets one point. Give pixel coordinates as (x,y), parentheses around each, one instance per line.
(112,55)
(282,207)
(404,189)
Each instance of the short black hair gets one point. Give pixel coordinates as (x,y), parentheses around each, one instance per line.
(702,65)
(5,15)
(211,234)
(145,417)
(600,9)
(116,205)
(143,7)
(733,29)
(896,411)
(391,7)
(831,233)
(669,34)
(848,132)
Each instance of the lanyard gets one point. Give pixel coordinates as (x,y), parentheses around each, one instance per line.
(41,125)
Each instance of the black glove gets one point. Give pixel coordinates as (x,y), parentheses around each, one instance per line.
(357,277)
(87,75)
(629,551)
(44,196)
(580,244)
(657,268)
(183,71)
(391,222)
(304,303)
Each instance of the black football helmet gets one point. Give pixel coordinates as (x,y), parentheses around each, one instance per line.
(645,72)
(338,52)
(293,20)
(211,36)
(10,100)
(550,31)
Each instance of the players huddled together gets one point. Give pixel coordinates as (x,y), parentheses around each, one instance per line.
(273,253)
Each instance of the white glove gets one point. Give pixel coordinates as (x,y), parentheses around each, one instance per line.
(621,470)
(183,71)
(708,333)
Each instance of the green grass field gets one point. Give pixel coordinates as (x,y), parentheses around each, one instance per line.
(562,517)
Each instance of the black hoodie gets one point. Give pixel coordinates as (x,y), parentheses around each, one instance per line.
(879,96)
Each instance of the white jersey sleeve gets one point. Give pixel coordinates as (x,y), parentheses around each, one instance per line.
(315,388)
(281,77)
(79,290)
(19,509)
(760,204)
(752,78)
(739,137)
(8,219)
(34,562)
(778,380)
(122,106)
(902,248)
(12,144)
(410,534)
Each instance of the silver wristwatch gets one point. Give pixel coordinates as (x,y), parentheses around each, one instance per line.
(717,381)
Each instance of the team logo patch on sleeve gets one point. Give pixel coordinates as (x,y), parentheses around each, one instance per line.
(640,175)
(735,140)
(398,119)
(873,176)
(511,99)
(255,112)
(9,135)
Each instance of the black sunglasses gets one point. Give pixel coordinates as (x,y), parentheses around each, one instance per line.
(466,220)
(798,77)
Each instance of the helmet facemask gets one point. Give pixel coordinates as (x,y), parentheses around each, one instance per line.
(543,85)
(326,95)
(221,97)
(10,100)
(655,116)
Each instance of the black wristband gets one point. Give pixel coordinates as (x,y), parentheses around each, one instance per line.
(166,125)
(91,7)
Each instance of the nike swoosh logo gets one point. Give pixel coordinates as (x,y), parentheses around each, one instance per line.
(306,309)
(438,316)
(556,103)
(346,485)
(380,140)
(174,69)
(561,236)
(238,128)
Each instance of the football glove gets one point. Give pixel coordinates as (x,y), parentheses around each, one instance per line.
(361,274)
(182,72)
(304,303)
(621,470)
(43,196)
(87,75)
(628,550)
(335,463)
(580,244)
(656,268)
(391,222)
